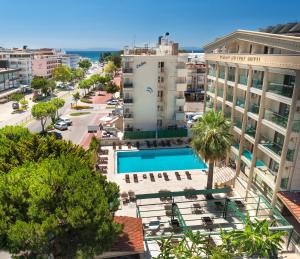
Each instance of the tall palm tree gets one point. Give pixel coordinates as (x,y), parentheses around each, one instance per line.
(212,140)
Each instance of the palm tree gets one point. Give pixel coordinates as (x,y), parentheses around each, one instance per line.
(212,140)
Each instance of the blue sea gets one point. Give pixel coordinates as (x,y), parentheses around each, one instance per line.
(90,54)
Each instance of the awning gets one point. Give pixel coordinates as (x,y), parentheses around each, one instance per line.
(292,201)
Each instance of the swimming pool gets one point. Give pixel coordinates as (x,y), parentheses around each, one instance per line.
(158,160)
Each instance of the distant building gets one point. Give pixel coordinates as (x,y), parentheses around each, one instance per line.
(9,83)
(43,65)
(154,83)
(70,60)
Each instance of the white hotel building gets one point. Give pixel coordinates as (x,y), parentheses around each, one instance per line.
(154,82)
(253,78)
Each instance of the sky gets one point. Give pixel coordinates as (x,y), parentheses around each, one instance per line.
(84,24)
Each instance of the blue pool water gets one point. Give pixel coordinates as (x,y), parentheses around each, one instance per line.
(158,160)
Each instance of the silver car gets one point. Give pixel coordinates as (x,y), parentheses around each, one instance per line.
(60,125)
(65,120)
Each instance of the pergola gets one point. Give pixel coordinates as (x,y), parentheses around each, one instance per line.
(173,213)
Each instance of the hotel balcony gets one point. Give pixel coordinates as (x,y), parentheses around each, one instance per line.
(227,115)
(256,83)
(128,115)
(231,77)
(128,85)
(240,103)
(251,131)
(222,74)
(243,80)
(254,108)
(220,92)
(180,100)
(128,100)
(127,70)
(212,72)
(276,118)
(281,89)
(238,125)
(229,97)
(211,89)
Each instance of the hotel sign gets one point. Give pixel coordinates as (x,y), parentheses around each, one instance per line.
(236,58)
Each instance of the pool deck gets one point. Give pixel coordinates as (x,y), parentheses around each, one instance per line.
(145,185)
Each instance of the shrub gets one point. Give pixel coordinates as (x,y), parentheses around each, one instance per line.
(85,100)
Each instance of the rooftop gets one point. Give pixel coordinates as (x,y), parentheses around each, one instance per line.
(292,201)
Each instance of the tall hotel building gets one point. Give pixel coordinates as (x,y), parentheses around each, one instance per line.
(154,82)
(253,78)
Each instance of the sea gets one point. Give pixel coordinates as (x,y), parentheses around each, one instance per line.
(90,54)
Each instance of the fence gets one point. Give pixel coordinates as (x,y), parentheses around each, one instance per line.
(174,133)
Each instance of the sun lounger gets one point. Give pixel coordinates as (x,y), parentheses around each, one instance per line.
(154,143)
(144,176)
(178,177)
(148,143)
(159,175)
(163,143)
(166,176)
(152,177)
(135,178)
(137,144)
(168,143)
(127,179)
(188,175)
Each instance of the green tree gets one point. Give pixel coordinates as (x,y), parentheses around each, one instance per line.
(41,111)
(62,73)
(58,103)
(78,73)
(24,104)
(85,64)
(212,140)
(110,68)
(51,85)
(40,83)
(111,88)
(17,97)
(56,208)
(76,97)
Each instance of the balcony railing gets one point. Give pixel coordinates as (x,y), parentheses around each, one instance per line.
(229,97)
(243,80)
(254,108)
(127,70)
(128,100)
(220,93)
(238,124)
(251,131)
(211,89)
(128,85)
(256,83)
(128,115)
(212,72)
(271,145)
(231,77)
(222,74)
(240,103)
(276,118)
(281,89)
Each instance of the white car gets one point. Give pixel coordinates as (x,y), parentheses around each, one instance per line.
(60,125)
(112,102)
(66,120)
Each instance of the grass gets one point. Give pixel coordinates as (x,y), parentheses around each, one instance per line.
(81,107)
(79,113)
(85,100)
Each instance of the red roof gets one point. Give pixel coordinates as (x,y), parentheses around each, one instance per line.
(131,239)
(292,201)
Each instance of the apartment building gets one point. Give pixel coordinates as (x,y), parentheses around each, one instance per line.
(43,65)
(195,81)
(154,82)
(253,78)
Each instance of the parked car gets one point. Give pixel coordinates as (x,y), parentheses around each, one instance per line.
(60,125)
(65,120)
(112,102)
(15,106)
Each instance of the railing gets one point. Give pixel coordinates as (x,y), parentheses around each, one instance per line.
(254,108)
(211,89)
(256,83)
(276,118)
(222,74)
(229,97)
(238,124)
(243,80)
(128,100)
(128,85)
(128,115)
(231,77)
(164,133)
(281,89)
(251,131)
(240,103)
(212,72)
(271,145)
(220,93)
(127,70)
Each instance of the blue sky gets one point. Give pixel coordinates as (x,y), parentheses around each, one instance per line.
(116,23)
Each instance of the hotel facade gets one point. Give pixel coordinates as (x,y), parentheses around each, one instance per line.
(253,78)
(154,83)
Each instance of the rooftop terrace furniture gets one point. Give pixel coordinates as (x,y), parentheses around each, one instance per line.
(240,204)
(137,144)
(178,177)
(219,205)
(159,175)
(144,176)
(135,178)
(152,177)
(166,177)
(208,222)
(127,179)
(188,175)
(154,143)
(168,142)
